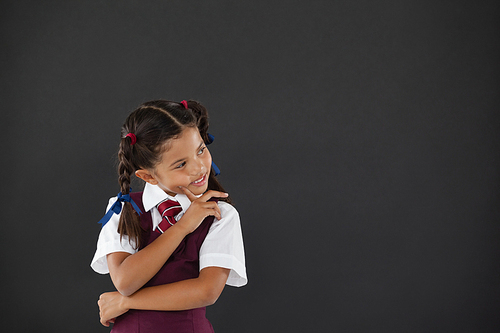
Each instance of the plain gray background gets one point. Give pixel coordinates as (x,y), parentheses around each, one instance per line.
(359,140)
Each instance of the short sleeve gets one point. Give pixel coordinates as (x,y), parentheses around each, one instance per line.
(109,242)
(223,246)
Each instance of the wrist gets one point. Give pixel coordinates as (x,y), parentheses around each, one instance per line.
(125,303)
(181,228)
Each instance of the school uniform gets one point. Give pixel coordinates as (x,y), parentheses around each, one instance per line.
(215,242)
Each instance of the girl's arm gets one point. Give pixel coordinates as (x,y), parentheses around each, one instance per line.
(183,295)
(129,272)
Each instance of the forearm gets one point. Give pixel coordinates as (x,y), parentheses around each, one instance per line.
(131,273)
(182,295)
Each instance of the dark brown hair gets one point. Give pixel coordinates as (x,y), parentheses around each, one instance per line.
(154,123)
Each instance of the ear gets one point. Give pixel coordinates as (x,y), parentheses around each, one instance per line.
(146,176)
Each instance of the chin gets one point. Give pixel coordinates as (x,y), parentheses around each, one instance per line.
(198,191)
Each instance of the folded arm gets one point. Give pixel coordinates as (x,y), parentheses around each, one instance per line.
(183,295)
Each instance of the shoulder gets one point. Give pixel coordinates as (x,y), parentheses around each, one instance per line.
(114,218)
(228,210)
(112,200)
(110,241)
(230,219)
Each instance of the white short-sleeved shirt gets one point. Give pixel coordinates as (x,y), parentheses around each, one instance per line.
(223,246)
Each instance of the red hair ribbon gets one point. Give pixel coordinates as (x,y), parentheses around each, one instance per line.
(185,104)
(132,137)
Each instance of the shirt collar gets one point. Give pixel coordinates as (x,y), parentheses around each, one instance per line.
(153,195)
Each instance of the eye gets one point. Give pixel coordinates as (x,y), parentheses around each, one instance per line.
(180,165)
(202,150)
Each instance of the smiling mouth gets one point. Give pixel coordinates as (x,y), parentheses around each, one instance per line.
(200,181)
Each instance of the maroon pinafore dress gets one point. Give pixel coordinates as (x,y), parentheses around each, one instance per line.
(183,264)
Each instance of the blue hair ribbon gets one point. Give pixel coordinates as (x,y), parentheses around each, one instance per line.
(215,168)
(116,208)
(211,139)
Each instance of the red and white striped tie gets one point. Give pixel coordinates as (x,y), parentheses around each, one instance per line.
(168,209)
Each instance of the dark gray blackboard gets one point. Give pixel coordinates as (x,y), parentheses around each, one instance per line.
(359,140)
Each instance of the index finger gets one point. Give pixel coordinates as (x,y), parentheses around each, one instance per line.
(205,197)
(188,193)
(211,194)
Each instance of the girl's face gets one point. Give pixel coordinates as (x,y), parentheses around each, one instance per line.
(187,162)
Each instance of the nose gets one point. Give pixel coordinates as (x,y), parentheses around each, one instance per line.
(198,168)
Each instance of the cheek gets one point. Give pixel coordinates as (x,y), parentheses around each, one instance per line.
(171,184)
(208,160)
(208,164)
(171,179)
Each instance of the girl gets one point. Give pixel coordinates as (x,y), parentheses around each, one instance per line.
(167,269)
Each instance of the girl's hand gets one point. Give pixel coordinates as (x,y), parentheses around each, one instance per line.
(199,209)
(110,307)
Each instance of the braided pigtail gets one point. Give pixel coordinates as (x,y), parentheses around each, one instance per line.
(129,219)
(201,114)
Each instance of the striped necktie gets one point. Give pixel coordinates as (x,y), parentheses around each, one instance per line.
(168,209)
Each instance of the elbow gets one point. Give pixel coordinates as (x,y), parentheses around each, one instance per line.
(213,280)
(124,288)
(125,291)
(211,295)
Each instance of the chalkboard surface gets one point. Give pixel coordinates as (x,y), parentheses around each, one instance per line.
(358,139)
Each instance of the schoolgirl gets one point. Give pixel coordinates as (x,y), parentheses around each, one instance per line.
(172,248)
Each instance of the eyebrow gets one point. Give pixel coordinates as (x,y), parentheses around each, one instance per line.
(182,159)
